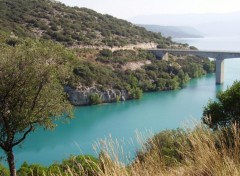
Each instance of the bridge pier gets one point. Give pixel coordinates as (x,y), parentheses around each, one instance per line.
(218,55)
(219,71)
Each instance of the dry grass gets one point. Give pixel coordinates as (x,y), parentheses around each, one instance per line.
(203,153)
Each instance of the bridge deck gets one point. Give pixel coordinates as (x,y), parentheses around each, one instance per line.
(204,53)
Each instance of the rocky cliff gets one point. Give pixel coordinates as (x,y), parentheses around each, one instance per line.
(81,95)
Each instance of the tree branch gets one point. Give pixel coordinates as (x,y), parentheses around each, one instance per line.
(24,136)
(40,87)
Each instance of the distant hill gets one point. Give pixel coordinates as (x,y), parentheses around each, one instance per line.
(174,31)
(209,24)
(70,26)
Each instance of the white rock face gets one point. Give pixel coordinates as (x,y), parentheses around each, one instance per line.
(79,97)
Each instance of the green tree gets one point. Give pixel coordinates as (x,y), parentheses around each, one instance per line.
(224,111)
(31,94)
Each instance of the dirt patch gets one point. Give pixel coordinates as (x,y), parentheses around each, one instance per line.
(135,65)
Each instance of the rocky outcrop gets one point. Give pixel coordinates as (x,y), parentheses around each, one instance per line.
(81,95)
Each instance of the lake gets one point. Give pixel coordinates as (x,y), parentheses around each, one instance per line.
(155,112)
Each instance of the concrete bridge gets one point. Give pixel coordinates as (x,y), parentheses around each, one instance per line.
(218,55)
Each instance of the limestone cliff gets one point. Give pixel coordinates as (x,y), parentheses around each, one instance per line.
(81,96)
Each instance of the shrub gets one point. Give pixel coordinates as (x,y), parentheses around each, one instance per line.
(95,98)
(4,171)
(106,53)
(136,93)
(165,145)
(33,169)
(224,111)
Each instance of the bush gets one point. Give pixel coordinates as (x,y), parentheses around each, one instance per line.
(224,111)
(136,93)
(33,169)
(79,165)
(106,53)
(95,98)
(4,171)
(165,145)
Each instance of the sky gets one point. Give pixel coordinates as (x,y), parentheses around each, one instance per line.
(125,9)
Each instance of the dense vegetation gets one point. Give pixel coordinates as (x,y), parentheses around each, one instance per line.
(77,165)
(108,69)
(224,111)
(52,20)
(155,75)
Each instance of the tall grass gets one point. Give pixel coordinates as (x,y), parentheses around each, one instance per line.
(184,152)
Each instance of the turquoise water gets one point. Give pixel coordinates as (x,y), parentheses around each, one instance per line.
(155,112)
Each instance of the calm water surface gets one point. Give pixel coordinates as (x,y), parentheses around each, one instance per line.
(155,112)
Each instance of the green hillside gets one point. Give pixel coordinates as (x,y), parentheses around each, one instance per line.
(133,71)
(70,25)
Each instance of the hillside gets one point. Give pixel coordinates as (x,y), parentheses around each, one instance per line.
(174,31)
(71,26)
(99,75)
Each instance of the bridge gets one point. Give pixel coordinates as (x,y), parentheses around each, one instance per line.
(218,55)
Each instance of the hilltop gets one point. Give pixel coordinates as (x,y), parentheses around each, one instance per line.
(71,26)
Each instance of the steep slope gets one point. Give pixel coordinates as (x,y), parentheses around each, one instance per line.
(70,26)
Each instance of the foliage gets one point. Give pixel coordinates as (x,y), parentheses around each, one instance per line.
(136,93)
(224,111)
(77,165)
(4,171)
(71,25)
(33,169)
(107,71)
(118,98)
(31,93)
(106,53)
(196,67)
(167,144)
(95,98)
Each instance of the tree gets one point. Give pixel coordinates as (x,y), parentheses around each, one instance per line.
(224,111)
(31,94)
